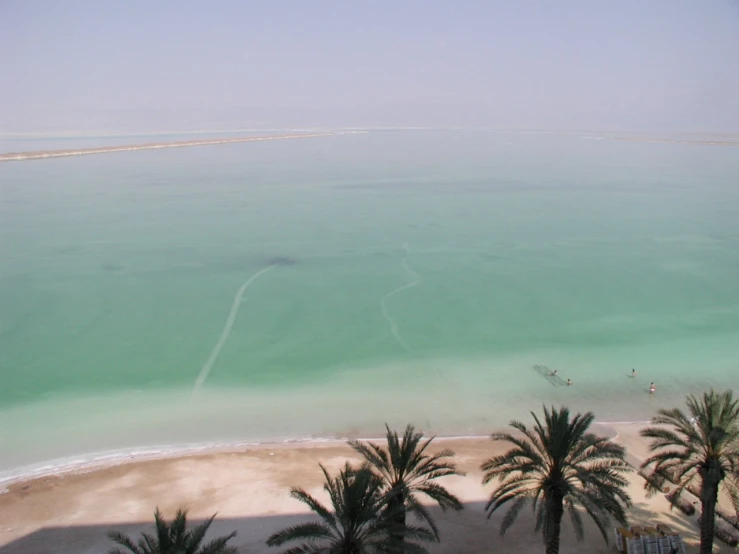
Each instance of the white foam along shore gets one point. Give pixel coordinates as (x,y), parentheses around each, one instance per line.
(94,461)
(43,154)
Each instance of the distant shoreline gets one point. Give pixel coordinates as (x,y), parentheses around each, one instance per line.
(679,141)
(44,154)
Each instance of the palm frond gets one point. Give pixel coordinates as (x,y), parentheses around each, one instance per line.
(597,514)
(700,447)
(556,464)
(408,468)
(509,519)
(149,543)
(173,537)
(361,517)
(420,511)
(308,549)
(178,528)
(195,536)
(576,520)
(301,532)
(314,505)
(418,533)
(374,454)
(217,546)
(440,495)
(123,540)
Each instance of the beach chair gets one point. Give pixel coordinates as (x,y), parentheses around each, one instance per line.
(676,541)
(669,539)
(619,531)
(632,543)
(650,538)
(635,546)
(623,535)
(665,544)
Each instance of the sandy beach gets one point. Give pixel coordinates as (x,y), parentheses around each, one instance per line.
(43,154)
(71,512)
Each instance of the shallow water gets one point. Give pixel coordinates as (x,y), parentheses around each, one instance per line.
(413,276)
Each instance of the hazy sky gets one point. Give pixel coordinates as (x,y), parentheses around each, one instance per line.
(590,64)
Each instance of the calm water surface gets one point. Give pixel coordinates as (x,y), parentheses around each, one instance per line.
(409,276)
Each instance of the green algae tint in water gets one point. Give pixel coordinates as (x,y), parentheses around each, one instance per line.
(413,276)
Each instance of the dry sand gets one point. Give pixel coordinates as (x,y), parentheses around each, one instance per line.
(249,489)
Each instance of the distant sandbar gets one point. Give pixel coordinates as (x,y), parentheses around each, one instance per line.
(706,142)
(42,154)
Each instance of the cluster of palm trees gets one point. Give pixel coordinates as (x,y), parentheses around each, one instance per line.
(555,466)
(370,503)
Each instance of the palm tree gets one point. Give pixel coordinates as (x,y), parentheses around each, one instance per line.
(701,450)
(408,471)
(355,526)
(173,538)
(555,465)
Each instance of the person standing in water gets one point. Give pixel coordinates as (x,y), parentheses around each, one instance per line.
(569,382)
(652,388)
(633,373)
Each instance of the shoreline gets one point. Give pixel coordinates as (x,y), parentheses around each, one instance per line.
(212,424)
(708,142)
(99,461)
(45,154)
(71,512)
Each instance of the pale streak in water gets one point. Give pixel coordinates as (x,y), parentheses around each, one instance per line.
(383,305)
(208,365)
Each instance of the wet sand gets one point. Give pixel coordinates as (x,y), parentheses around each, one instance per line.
(70,513)
(43,154)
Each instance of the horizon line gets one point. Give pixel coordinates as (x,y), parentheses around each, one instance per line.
(101,133)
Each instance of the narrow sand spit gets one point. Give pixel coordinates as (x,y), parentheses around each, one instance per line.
(43,154)
(701,142)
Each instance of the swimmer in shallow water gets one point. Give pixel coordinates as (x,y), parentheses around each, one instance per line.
(633,373)
(569,382)
(554,373)
(652,388)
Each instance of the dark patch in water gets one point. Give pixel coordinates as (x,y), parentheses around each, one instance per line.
(247,264)
(282,261)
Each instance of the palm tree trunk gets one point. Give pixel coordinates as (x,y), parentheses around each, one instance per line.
(709,497)
(396,508)
(555,510)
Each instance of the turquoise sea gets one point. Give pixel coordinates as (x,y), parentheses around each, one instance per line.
(320,287)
